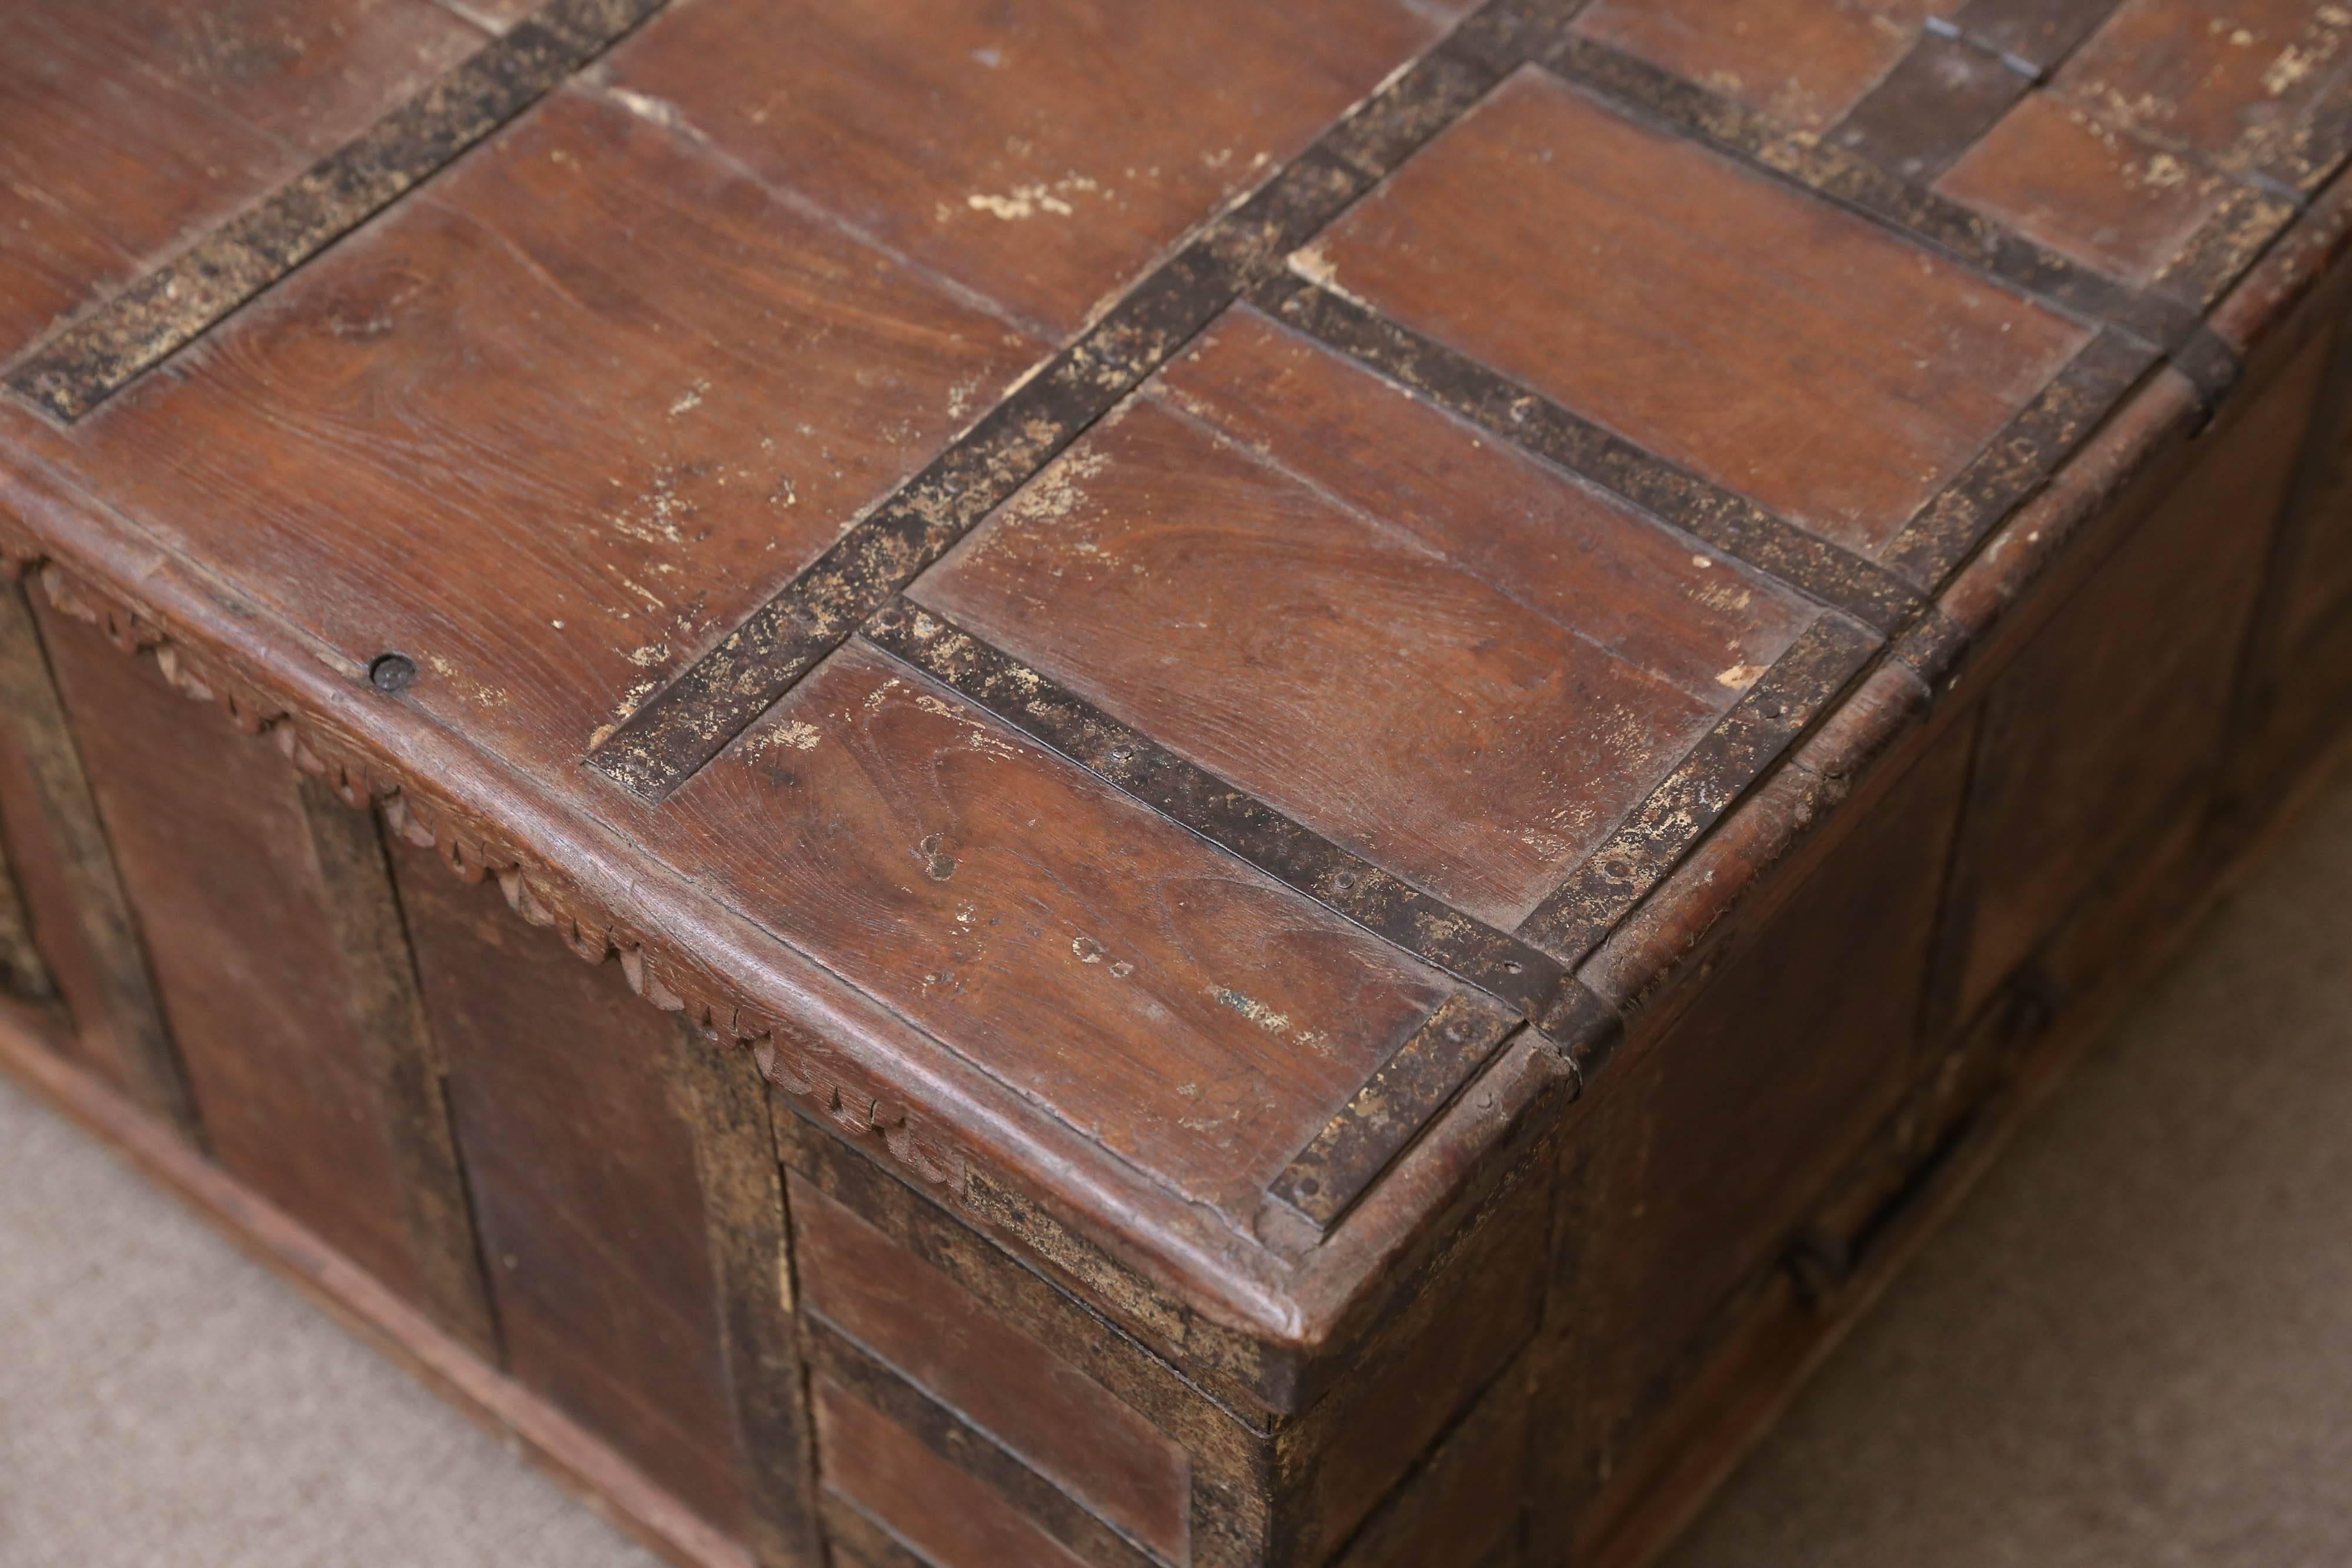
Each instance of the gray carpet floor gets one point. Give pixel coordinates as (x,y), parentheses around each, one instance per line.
(2132,1346)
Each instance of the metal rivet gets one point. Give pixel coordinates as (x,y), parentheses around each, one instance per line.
(392,672)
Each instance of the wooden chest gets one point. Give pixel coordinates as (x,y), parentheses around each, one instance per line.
(1008,782)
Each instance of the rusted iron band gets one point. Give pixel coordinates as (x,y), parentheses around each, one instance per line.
(1249,829)
(937,1426)
(2033,34)
(168,309)
(1943,95)
(1417,1082)
(1850,181)
(2020,459)
(1730,524)
(682,726)
(1655,835)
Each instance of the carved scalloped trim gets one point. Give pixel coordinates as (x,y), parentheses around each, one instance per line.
(791,1058)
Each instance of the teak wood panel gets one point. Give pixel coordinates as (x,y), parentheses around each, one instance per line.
(1804,62)
(1225,1452)
(1197,1017)
(2317,578)
(2298,678)
(1700,1152)
(131,127)
(2122,700)
(211,834)
(720,1090)
(2059,174)
(1005,1382)
(1461,1506)
(79,919)
(2227,82)
(584,1184)
(1440,1350)
(1778,346)
(1429,649)
(24,973)
(745,376)
(951,1518)
(1042,152)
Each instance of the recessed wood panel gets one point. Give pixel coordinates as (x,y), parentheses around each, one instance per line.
(1706,1147)
(2118,705)
(74,909)
(582,1174)
(1779,346)
(132,123)
(600,388)
(952,1518)
(2220,79)
(1804,62)
(944,1339)
(1461,1506)
(208,830)
(1045,152)
(2317,578)
(1438,1350)
(2057,173)
(1460,665)
(1199,1019)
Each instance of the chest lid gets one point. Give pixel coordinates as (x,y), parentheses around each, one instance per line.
(1133,590)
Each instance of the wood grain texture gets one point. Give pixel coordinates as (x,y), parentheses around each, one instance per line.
(396,1051)
(132,126)
(1693,316)
(576,1458)
(2298,673)
(1044,153)
(1006,1383)
(719,1091)
(1805,62)
(989,889)
(1249,829)
(1460,1506)
(286,1058)
(1724,524)
(1701,1150)
(78,912)
(1278,526)
(2123,698)
(557,423)
(1220,1435)
(2059,174)
(1011,1289)
(2229,84)
(412,397)
(948,1436)
(1481,1301)
(585,1187)
(24,973)
(951,1520)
